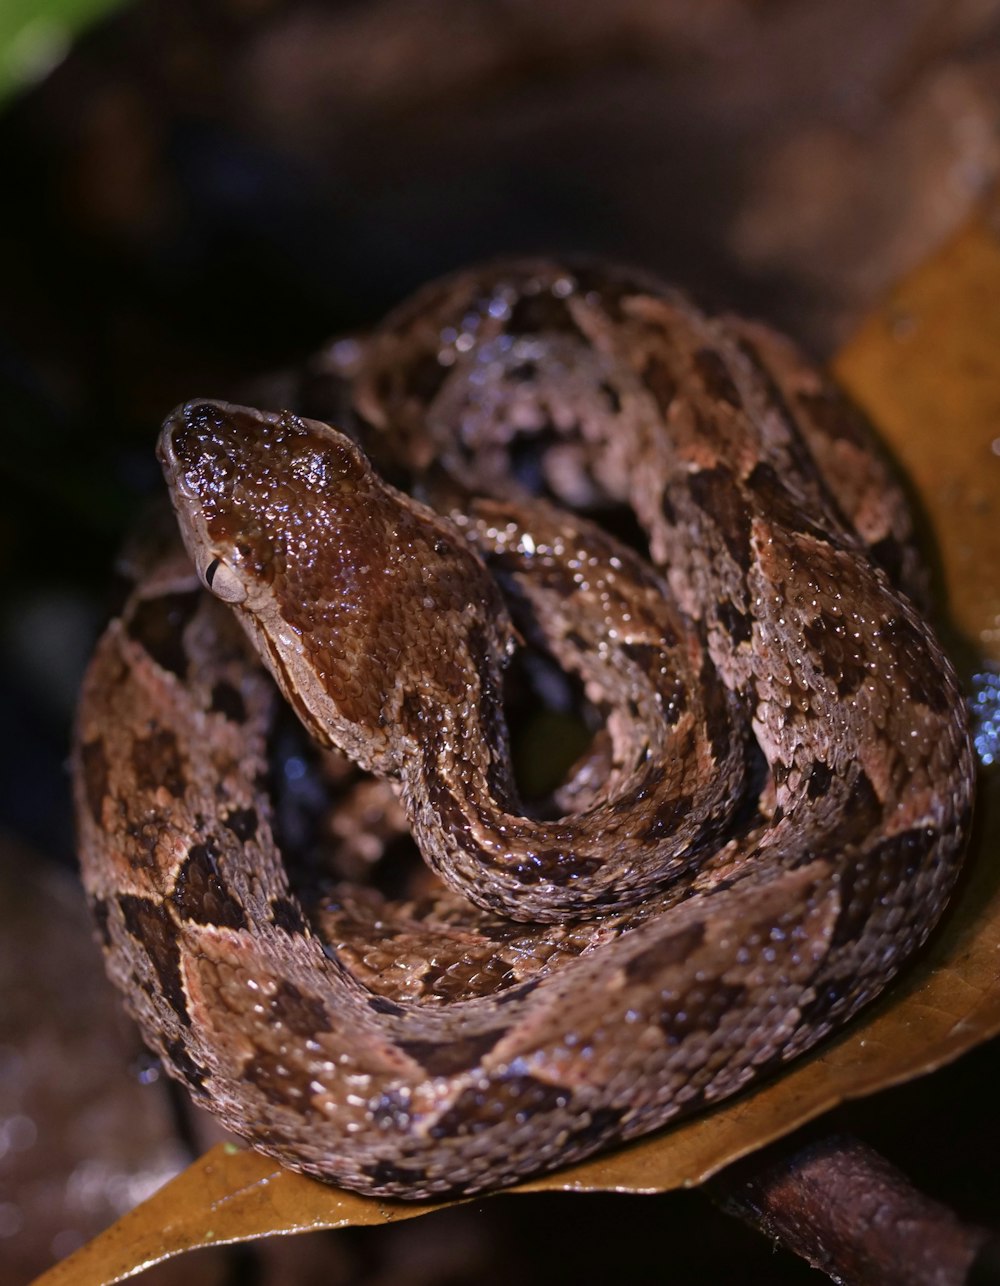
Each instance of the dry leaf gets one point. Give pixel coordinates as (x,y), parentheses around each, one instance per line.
(926,367)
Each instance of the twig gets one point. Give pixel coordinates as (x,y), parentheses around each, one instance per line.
(842,1207)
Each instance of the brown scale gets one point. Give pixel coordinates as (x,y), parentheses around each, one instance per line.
(430,1046)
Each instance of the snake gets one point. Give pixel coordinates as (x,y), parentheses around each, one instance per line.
(686,524)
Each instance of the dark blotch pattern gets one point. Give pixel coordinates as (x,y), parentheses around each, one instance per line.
(200,893)
(600,1126)
(143,841)
(384,1174)
(94,761)
(517,1098)
(904,636)
(820,777)
(738,625)
(516,993)
(243,823)
(390,1111)
(228,701)
(558,867)
(276,1081)
(829,636)
(889,555)
(158,624)
(447,1058)
(715,377)
(661,382)
(701,1008)
(779,507)
(876,874)
(537,314)
(861,814)
(301,1014)
(151,925)
(157,761)
(185,1066)
(715,492)
(286,915)
(424,377)
(99,909)
(614,400)
(649,964)
(380,1005)
(667,818)
(838,418)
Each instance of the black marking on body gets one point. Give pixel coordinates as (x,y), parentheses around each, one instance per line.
(668,816)
(542,313)
(158,763)
(158,625)
(96,776)
(715,377)
(648,965)
(380,1005)
(738,625)
(820,777)
(187,1068)
(424,377)
(830,638)
(301,1014)
(857,819)
(905,638)
(388,1175)
(611,291)
(717,713)
(154,929)
(715,492)
(777,505)
(518,992)
(601,1125)
(510,1098)
(200,893)
(278,1082)
(100,910)
(555,866)
(227,700)
(875,875)
(457,1054)
(648,658)
(390,1110)
(142,849)
(243,822)
(701,1008)
(836,417)
(286,915)
(612,396)
(890,556)
(661,381)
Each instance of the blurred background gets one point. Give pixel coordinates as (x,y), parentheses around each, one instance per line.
(196,194)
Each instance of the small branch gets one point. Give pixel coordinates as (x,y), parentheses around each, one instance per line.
(848,1212)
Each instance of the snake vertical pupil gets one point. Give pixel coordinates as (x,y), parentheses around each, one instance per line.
(210,571)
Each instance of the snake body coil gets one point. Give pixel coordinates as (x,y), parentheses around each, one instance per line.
(631,959)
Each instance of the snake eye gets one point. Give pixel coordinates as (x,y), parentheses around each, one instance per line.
(223,581)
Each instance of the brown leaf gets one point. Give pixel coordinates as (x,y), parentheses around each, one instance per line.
(926,367)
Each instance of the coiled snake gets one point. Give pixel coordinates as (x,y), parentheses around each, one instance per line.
(629,958)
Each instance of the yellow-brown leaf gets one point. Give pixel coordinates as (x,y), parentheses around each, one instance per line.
(927,367)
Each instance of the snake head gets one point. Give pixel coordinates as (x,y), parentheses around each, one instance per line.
(351,591)
(243,482)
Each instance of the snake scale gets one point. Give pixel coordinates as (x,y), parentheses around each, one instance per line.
(767,824)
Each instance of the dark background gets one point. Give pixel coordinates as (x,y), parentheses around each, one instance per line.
(200,194)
